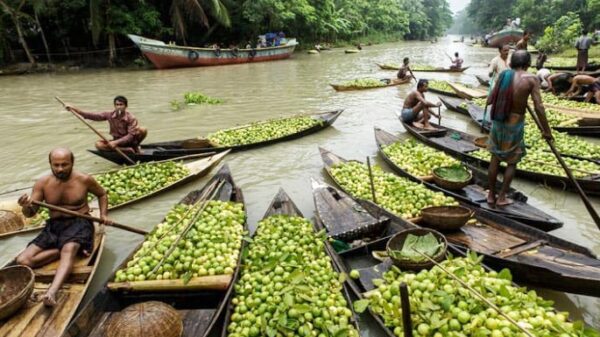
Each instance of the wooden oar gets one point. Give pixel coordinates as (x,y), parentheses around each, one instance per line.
(405,302)
(372,185)
(584,198)
(476,293)
(89,217)
(116,148)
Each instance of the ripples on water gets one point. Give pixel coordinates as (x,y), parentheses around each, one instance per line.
(33,123)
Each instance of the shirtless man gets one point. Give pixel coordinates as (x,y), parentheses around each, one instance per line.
(403,72)
(594,92)
(577,84)
(124,126)
(64,236)
(456,62)
(523,42)
(509,103)
(416,109)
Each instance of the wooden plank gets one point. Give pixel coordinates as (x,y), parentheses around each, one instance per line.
(483,238)
(520,249)
(195,322)
(78,275)
(216,282)
(561,261)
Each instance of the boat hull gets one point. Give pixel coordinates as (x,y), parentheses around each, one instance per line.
(505,37)
(167,56)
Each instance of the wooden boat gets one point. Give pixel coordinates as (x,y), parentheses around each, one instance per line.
(282,204)
(454,105)
(533,257)
(436,70)
(351,51)
(197,168)
(466,92)
(591,67)
(35,319)
(165,56)
(441,92)
(505,36)
(388,83)
(460,145)
(475,194)
(330,159)
(185,147)
(476,114)
(201,308)
(483,81)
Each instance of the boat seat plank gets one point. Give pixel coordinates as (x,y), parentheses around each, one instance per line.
(460,145)
(520,249)
(78,275)
(485,239)
(561,261)
(335,217)
(81,261)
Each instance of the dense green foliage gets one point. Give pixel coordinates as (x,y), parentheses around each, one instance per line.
(79,25)
(556,23)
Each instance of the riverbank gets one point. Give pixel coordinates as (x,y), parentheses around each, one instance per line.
(128,62)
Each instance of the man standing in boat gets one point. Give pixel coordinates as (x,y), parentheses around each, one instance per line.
(416,109)
(509,103)
(63,237)
(582,45)
(124,126)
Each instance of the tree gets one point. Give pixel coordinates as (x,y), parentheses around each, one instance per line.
(184,12)
(490,14)
(14,10)
(560,35)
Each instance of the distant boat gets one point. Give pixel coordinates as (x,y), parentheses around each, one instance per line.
(505,36)
(164,55)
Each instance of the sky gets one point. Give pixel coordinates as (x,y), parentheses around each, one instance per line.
(457,5)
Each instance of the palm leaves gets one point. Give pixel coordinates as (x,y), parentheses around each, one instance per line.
(184,12)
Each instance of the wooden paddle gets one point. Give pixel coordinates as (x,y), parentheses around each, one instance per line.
(96,131)
(89,217)
(584,198)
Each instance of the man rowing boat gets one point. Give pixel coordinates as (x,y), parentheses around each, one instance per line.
(404,70)
(123,126)
(63,237)
(509,102)
(416,109)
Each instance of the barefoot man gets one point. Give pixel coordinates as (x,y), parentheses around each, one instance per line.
(124,126)
(416,109)
(509,103)
(64,236)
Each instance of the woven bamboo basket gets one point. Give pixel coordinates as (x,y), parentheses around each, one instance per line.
(450,184)
(397,242)
(446,218)
(10,221)
(152,318)
(17,285)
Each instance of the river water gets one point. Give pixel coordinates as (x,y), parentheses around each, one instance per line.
(33,123)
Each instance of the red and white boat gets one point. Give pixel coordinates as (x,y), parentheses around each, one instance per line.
(164,55)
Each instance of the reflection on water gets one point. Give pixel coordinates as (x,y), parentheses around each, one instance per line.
(33,122)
